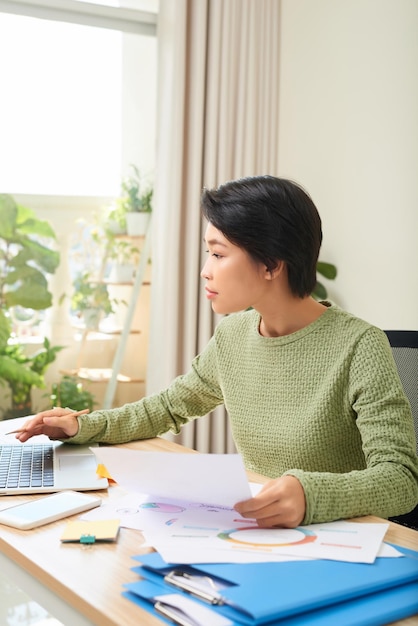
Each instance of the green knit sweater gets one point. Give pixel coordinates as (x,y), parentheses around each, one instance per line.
(324,404)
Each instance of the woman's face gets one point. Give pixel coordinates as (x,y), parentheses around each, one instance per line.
(234,281)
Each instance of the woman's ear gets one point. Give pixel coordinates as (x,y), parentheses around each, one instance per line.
(276,271)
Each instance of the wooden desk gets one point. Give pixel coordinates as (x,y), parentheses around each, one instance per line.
(82,585)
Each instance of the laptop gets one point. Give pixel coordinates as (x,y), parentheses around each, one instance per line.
(46,467)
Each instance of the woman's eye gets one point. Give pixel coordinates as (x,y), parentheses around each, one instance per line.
(217,256)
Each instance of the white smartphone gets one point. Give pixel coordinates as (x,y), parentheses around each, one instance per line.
(34,513)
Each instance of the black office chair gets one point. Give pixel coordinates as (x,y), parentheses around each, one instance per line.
(404,344)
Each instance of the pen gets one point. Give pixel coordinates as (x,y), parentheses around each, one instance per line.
(23,430)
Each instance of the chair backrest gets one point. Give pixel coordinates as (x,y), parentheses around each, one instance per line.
(404,344)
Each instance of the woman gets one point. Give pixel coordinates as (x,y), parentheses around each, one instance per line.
(312,392)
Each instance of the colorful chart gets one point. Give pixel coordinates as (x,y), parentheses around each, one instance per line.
(271,537)
(161,507)
(154,507)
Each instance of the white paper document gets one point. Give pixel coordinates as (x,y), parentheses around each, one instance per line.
(192,532)
(210,478)
(216,535)
(183,504)
(171,553)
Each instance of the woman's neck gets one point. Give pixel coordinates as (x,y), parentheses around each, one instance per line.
(290,316)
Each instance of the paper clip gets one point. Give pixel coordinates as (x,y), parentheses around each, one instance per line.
(87,539)
(193,585)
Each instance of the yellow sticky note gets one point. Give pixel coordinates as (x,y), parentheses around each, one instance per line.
(91,531)
(103,473)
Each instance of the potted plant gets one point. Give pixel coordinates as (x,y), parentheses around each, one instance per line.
(25,372)
(123,255)
(136,202)
(27,256)
(91,301)
(69,392)
(114,219)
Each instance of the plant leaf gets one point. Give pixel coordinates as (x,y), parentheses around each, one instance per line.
(13,371)
(328,270)
(319,293)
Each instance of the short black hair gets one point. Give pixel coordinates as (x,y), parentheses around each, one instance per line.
(273,219)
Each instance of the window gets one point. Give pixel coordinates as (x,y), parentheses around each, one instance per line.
(78,104)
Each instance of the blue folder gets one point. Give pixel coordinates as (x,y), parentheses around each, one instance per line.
(376,609)
(262,593)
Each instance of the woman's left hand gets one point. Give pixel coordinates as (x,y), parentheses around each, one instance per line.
(281,502)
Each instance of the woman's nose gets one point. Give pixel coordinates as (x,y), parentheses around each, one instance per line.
(205,271)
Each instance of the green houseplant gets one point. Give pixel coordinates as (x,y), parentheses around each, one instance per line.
(27,256)
(95,251)
(69,392)
(91,300)
(327,270)
(135,202)
(123,256)
(24,372)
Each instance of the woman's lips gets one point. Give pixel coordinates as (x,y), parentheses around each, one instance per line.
(210,294)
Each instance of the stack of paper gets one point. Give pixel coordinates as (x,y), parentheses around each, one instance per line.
(184,507)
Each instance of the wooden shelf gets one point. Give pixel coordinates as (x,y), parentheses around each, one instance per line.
(99,375)
(98,334)
(112,375)
(117,283)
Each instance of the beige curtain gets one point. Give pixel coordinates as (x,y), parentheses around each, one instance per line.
(217,120)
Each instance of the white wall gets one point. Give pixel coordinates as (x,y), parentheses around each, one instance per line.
(349,135)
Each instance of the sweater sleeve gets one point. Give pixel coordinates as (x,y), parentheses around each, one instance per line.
(389,483)
(191,395)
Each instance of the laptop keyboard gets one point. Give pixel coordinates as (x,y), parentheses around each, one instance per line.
(26,466)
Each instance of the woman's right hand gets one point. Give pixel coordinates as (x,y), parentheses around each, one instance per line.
(56,423)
